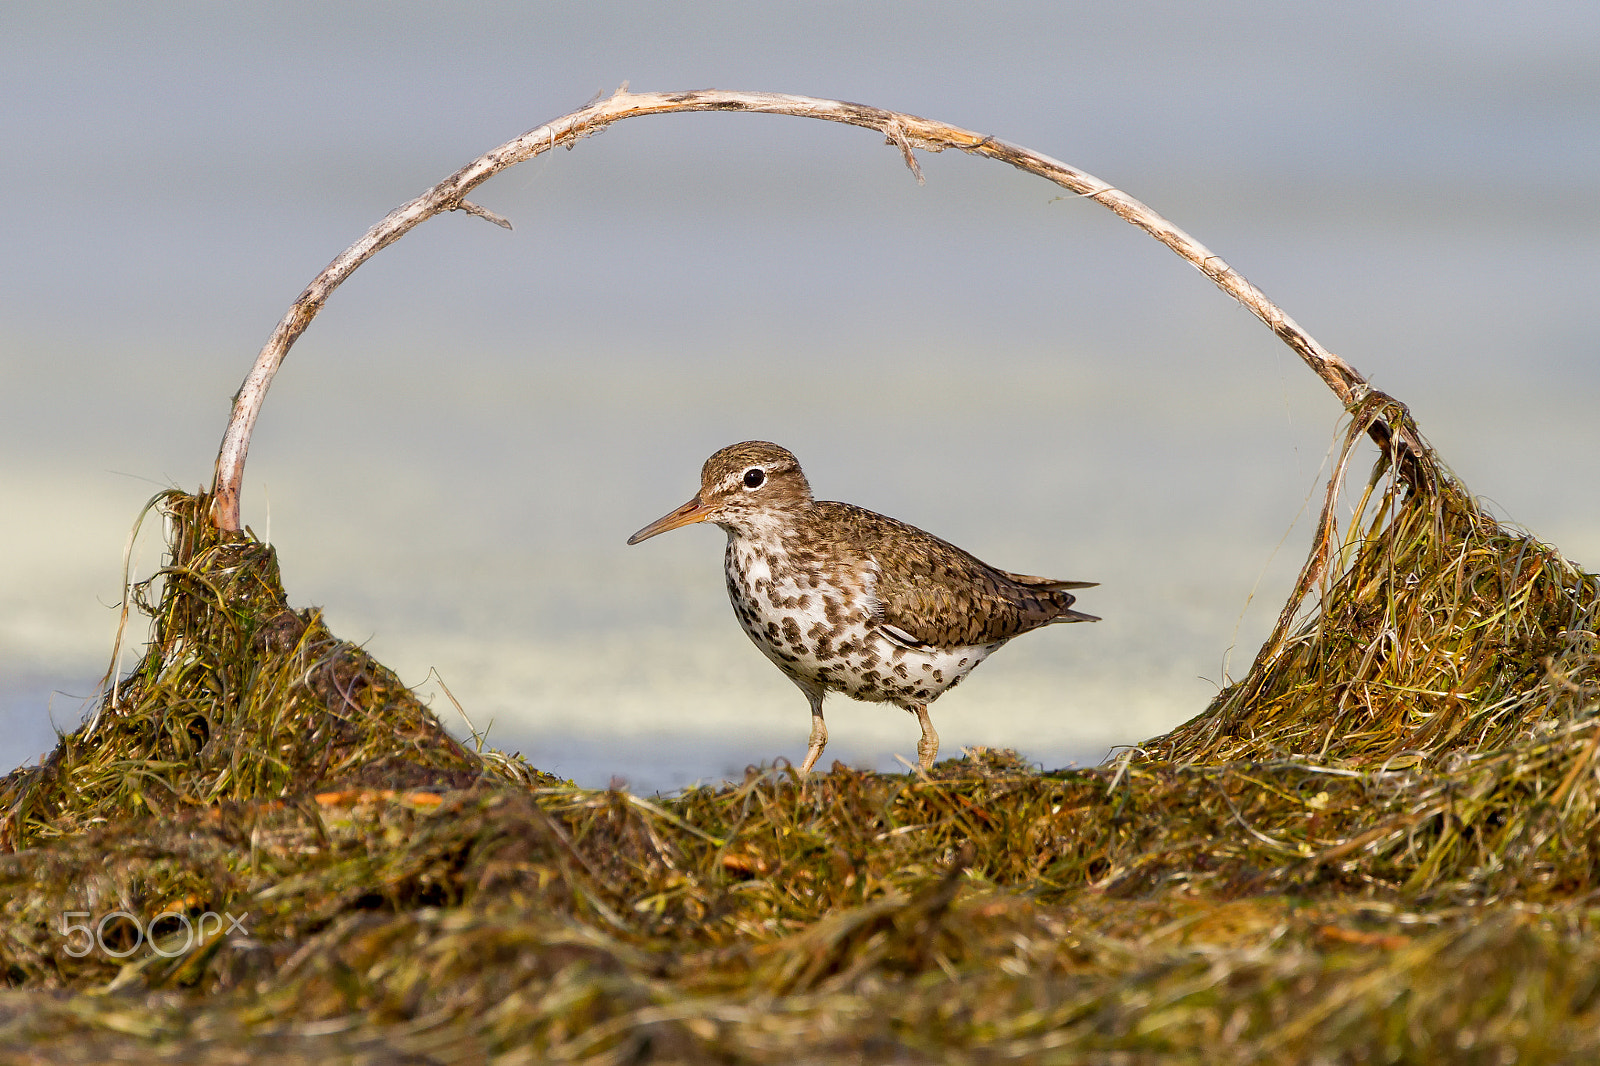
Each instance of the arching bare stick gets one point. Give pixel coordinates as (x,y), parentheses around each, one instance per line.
(906,132)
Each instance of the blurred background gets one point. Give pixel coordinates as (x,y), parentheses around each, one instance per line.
(453,455)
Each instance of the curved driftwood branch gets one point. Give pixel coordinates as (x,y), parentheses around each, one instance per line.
(905,132)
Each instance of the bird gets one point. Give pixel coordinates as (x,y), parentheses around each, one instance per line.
(843,599)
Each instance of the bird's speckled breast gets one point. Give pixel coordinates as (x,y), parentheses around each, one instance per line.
(816,617)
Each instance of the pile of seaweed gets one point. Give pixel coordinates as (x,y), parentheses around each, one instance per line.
(1379,846)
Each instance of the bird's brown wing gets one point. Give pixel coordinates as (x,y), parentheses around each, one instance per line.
(935,592)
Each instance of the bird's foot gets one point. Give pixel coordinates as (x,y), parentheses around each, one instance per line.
(928,746)
(819,740)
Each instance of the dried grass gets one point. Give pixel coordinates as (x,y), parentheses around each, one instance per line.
(1424,630)
(1379,846)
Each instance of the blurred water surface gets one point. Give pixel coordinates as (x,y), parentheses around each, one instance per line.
(455,452)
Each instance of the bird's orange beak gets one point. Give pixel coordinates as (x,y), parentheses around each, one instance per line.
(690,513)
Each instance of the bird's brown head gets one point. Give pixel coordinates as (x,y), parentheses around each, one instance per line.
(741,486)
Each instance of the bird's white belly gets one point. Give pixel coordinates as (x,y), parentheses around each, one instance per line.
(823,632)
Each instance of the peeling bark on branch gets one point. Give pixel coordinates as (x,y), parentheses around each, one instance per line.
(906,132)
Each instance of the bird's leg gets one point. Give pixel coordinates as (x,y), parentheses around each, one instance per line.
(928,746)
(819,732)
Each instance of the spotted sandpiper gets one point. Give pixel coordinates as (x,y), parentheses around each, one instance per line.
(843,599)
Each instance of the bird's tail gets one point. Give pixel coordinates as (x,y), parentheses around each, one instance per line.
(1048,584)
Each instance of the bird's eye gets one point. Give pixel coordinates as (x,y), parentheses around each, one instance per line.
(754,477)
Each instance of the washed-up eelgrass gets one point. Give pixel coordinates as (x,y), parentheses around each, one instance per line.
(1378,846)
(1425,629)
(236,697)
